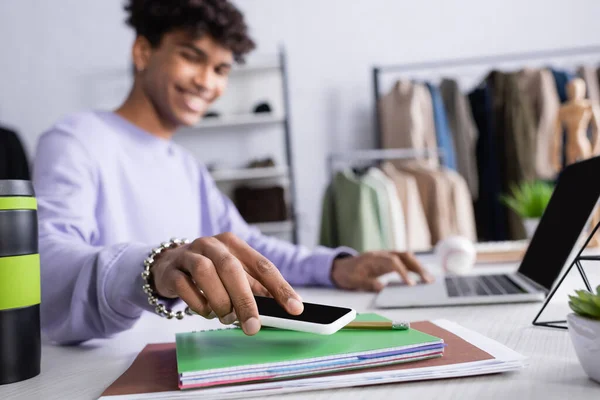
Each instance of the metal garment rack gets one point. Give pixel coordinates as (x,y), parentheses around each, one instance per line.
(377,71)
(351,157)
(492,62)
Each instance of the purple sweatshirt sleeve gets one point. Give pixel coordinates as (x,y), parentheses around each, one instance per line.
(87,291)
(94,291)
(299,265)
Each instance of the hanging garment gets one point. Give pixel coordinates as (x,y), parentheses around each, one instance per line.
(588,74)
(13,159)
(490,215)
(406,119)
(435,195)
(598,75)
(395,228)
(462,212)
(516,114)
(349,215)
(382,209)
(561,78)
(516,126)
(443,132)
(540,90)
(418,236)
(462,125)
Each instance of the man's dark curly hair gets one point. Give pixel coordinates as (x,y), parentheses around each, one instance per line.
(218,18)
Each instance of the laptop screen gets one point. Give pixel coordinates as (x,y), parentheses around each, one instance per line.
(575,195)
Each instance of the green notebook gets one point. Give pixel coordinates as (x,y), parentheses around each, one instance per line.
(210,352)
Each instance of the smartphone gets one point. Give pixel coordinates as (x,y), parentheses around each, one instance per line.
(316,318)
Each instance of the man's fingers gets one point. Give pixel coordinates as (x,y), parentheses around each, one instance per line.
(189,293)
(204,275)
(257,288)
(373,285)
(266,273)
(386,263)
(414,265)
(233,276)
(401,269)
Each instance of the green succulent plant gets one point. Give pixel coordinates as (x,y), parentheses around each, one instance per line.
(528,199)
(586,304)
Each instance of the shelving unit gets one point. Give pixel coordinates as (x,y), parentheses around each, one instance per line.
(239,135)
(249,174)
(263,64)
(270,228)
(240,120)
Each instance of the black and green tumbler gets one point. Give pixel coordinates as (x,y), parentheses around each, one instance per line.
(20,347)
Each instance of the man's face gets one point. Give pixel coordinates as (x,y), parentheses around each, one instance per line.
(185,75)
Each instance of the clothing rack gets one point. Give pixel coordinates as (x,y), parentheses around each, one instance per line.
(350,157)
(377,71)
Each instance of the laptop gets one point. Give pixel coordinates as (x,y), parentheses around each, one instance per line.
(557,240)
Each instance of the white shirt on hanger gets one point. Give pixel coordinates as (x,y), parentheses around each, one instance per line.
(393,228)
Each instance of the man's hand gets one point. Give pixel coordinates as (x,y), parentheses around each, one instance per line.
(218,276)
(361,272)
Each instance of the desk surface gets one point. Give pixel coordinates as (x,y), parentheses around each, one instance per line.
(84,372)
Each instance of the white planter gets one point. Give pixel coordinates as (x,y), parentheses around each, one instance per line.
(585,336)
(530,225)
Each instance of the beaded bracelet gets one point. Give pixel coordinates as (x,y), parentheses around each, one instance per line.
(161,309)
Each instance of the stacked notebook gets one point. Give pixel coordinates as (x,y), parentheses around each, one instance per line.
(226,364)
(225,357)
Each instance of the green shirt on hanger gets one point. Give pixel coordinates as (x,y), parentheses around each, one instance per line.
(350,215)
(382,207)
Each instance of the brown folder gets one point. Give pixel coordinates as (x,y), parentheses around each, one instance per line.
(155,368)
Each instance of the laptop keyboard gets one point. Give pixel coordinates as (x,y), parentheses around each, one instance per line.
(482,285)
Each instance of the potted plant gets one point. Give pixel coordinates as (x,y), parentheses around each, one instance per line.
(529,200)
(584,330)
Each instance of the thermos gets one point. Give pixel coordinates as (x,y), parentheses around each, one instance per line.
(20,294)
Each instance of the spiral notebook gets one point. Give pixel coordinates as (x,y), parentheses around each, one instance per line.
(228,356)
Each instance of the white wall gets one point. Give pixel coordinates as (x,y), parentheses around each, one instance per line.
(55,56)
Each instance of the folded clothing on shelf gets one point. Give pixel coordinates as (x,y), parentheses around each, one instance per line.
(261,163)
(261,204)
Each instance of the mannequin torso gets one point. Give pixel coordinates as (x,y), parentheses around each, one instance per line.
(575,116)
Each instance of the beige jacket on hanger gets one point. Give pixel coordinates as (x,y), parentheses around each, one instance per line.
(540,89)
(435,194)
(418,237)
(463,212)
(406,119)
(464,131)
(446,200)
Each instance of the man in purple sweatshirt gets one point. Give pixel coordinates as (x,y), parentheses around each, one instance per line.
(112,186)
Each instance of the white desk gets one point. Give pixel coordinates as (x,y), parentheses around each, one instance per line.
(554,373)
